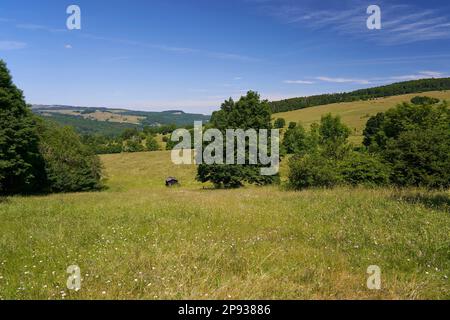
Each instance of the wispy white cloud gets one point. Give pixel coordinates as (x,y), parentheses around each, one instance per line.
(416,76)
(168,48)
(432,73)
(68,46)
(298,82)
(397,60)
(38,27)
(342,80)
(376,80)
(175,49)
(401,24)
(12,45)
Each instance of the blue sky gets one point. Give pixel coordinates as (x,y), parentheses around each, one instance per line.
(191,55)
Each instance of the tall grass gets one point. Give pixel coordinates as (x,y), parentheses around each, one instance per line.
(141,240)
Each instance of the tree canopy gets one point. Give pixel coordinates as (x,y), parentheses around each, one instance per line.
(21,165)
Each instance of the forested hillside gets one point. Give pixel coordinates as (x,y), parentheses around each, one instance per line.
(415,86)
(112,122)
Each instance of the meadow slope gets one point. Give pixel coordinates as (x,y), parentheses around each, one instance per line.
(141,240)
(354,114)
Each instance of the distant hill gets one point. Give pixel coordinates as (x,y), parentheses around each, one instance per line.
(113,121)
(399,88)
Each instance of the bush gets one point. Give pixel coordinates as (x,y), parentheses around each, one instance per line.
(295,140)
(414,140)
(222,176)
(133,145)
(151,144)
(333,135)
(312,170)
(424,100)
(70,165)
(373,126)
(279,123)
(404,117)
(420,158)
(362,168)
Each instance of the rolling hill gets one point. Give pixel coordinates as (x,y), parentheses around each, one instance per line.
(113,121)
(354,114)
(394,89)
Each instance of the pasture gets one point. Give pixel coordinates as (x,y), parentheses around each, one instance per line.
(141,240)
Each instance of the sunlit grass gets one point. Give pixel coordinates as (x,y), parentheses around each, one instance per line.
(141,240)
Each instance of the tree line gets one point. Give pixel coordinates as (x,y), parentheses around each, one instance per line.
(130,140)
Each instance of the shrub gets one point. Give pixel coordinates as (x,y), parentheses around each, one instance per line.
(362,168)
(373,126)
(424,100)
(312,170)
(151,144)
(295,140)
(420,158)
(279,123)
(333,135)
(414,140)
(70,165)
(403,118)
(222,176)
(133,145)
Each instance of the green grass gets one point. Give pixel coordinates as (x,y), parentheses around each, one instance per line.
(140,240)
(354,114)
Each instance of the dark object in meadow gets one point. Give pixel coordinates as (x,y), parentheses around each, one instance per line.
(171,181)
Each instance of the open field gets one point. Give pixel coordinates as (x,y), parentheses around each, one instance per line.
(139,240)
(354,114)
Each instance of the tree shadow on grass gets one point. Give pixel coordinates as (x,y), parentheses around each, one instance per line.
(440,202)
(4,200)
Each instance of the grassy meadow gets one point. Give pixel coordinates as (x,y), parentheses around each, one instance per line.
(354,114)
(141,240)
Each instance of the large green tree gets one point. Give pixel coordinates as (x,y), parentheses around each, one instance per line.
(247,113)
(21,165)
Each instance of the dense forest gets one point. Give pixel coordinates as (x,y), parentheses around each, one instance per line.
(414,86)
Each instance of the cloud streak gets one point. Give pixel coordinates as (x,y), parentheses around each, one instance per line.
(298,82)
(401,24)
(12,45)
(161,47)
(426,74)
(342,80)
